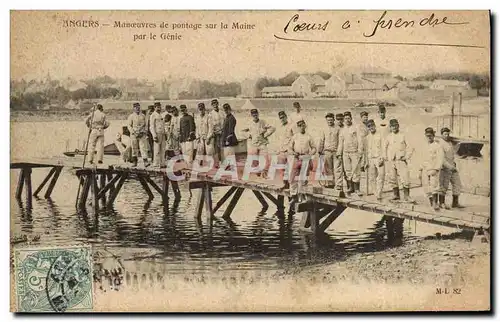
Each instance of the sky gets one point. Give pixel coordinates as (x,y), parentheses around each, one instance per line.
(42,44)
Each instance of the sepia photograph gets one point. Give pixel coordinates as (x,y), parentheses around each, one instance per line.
(250,161)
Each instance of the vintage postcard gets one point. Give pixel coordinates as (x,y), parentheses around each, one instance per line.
(250,161)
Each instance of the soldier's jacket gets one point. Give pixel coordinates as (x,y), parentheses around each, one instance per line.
(433,157)
(329,140)
(203,127)
(350,140)
(397,147)
(136,124)
(286,134)
(375,146)
(99,122)
(156,124)
(216,120)
(448,154)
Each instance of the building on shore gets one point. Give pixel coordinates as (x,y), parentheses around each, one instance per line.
(278,91)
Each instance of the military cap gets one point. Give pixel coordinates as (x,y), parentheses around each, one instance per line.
(363,113)
(339,116)
(183,107)
(157,104)
(429,130)
(254,111)
(296,104)
(214,101)
(137,105)
(370,122)
(226,106)
(201,105)
(329,115)
(445,129)
(347,114)
(281,114)
(393,122)
(381,108)
(300,122)
(99,106)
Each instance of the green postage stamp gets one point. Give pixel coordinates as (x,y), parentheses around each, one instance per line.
(55,279)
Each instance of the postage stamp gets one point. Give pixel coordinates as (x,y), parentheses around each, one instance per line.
(55,279)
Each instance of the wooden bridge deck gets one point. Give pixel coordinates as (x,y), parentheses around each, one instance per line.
(476,215)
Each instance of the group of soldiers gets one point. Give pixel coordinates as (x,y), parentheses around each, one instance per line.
(375,146)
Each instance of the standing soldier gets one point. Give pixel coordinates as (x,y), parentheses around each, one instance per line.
(433,162)
(175,130)
(340,120)
(327,147)
(151,110)
(449,172)
(216,119)
(297,115)
(351,150)
(228,136)
(97,125)
(136,124)
(363,131)
(381,122)
(302,147)
(187,134)
(375,158)
(259,132)
(203,132)
(398,154)
(157,129)
(287,132)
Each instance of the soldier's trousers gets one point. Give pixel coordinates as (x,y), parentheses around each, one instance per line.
(139,144)
(159,151)
(376,175)
(445,177)
(96,140)
(430,182)
(399,169)
(352,165)
(333,167)
(187,151)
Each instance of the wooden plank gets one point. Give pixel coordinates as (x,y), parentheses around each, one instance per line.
(27,185)
(44,182)
(102,184)
(200,203)
(332,216)
(154,185)
(224,198)
(95,191)
(119,186)
(270,197)
(109,186)
(110,178)
(261,199)
(20,184)
(303,206)
(164,191)
(232,203)
(53,182)
(281,203)
(201,184)
(85,192)
(208,204)
(145,186)
(313,218)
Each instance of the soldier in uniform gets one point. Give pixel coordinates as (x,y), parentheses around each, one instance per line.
(398,154)
(339,117)
(187,134)
(303,148)
(327,147)
(216,119)
(351,150)
(228,136)
(136,124)
(381,122)
(430,168)
(97,125)
(449,172)
(203,132)
(157,129)
(375,164)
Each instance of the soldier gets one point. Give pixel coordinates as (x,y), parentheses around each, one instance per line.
(175,130)
(203,132)
(287,132)
(351,150)
(327,147)
(97,125)
(259,132)
(363,130)
(297,115)
(449,172)
(340,119)
(398,153)
(187,134)
(375,158)
(151,110)
(302,147)
(136,124)
(216,118)
(228,136)
(432,164)
(381,121)
(157,129)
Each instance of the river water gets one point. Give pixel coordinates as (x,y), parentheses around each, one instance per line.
(144,235)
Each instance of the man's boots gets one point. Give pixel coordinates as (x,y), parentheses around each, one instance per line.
(146,162)
(455,203)
(435,200)
(357,188)
(406,194)
(442,202)
(350,186)
(431,201)
(134,161)
(397,196)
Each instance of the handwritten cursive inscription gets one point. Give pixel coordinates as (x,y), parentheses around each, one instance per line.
(432,20)
(297,27)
